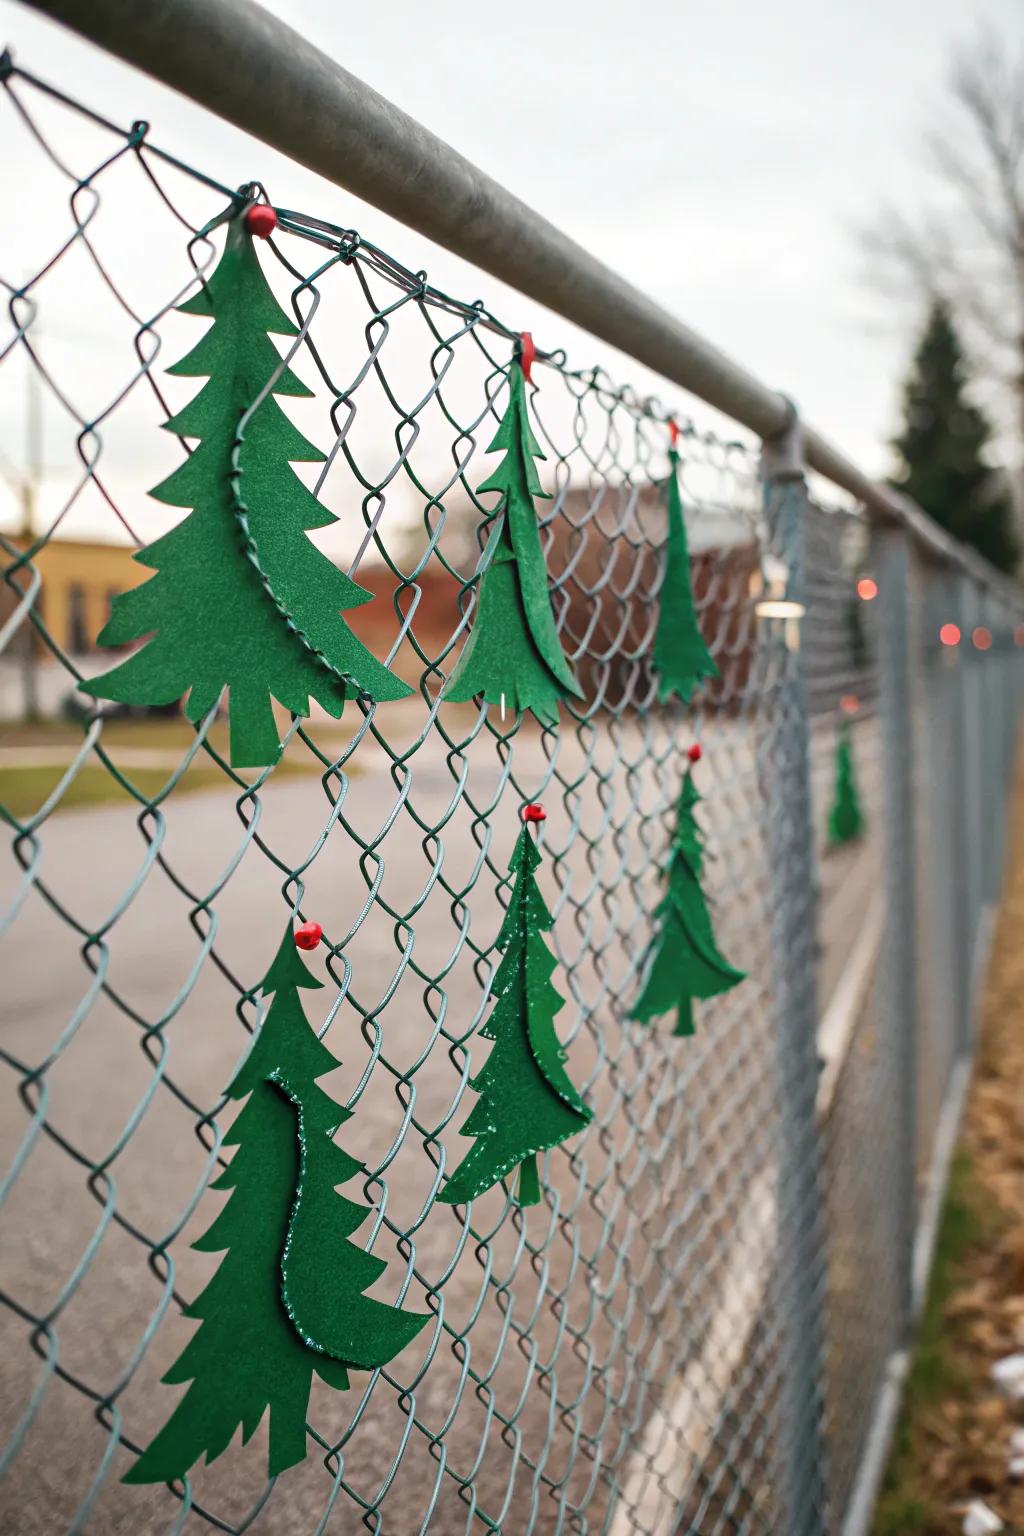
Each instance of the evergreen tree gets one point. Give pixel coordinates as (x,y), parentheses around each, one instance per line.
(513,651)
(684,961)
(845,821)
(527,1100)
(287,1298)
(942,447)
(241,598)
(681,657)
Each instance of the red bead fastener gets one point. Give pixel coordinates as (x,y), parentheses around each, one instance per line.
(308,936)
(534,812)
(673,432)
(527,355)
(694,753)
(261,220)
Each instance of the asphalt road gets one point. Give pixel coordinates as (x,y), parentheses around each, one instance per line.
(556,1331)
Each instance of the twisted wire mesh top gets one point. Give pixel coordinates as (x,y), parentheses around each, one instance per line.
(590,1364)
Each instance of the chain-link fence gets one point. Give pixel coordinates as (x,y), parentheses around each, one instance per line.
(691,1333)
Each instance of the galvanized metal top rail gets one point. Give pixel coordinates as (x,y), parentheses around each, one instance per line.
(255,71)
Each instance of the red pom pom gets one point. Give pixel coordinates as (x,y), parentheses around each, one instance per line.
(308,936)
(694,753)
(527,354)
(261,220)
(534,812)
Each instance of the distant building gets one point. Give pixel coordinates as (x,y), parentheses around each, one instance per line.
(81,578)
(606,559)
(79,581)
(604,554)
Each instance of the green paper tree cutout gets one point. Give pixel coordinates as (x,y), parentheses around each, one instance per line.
(513,652)
(527,1101)
(681,657)
(845,820)
(287,1298)
(684,961)
(241,598)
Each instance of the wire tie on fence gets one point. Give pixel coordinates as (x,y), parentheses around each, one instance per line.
(137,132)
(348,247)
(7,66)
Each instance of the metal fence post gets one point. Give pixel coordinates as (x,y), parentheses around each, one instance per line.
(1007,699)
(898,991)
(974,810)
(801,1270)
(957,862)
(993,718)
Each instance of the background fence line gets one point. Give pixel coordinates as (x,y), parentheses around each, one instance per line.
(704,1327)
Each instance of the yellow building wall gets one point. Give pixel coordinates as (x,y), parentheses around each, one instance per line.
(98,570)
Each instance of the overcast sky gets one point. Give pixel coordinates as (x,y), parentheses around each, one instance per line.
(720,155)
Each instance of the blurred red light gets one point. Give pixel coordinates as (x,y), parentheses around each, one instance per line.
(949,634)
(867,589)
(849,703)
(1018,635)
(982,638)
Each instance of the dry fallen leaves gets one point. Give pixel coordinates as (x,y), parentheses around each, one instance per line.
(987,1306)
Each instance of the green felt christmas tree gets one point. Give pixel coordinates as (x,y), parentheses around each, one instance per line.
(845,819)
(681,658)
(241,598)
(287,1298)
(527,1100)
(513,654)
(684,961)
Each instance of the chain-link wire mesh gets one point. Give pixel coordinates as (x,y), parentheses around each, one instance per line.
(642,1352)
(859,1147)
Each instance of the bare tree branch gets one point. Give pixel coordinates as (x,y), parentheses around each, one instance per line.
(965,243)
